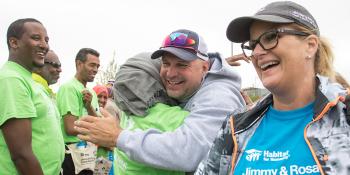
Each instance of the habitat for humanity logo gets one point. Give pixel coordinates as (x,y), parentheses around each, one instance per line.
(254,155)
(276,155)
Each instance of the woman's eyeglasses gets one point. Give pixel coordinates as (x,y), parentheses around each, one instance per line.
(268,40)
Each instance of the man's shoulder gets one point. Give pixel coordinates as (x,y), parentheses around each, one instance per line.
(221,72)
(216,95)
(70,85)
(217,92)
(6,73)
(221,82)
(14,79)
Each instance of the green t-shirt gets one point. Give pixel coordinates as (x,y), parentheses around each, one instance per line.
(70,100)
(161,117)
(22,98)
(48,91)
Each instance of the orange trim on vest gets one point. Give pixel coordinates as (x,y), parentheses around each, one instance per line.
(324,111)
(235,145)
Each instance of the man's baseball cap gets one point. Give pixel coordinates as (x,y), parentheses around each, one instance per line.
(185,44)
(283,12)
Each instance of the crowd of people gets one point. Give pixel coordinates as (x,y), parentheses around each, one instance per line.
(179,109)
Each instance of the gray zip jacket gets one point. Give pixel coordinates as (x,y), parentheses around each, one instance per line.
(328,135)
(184,148)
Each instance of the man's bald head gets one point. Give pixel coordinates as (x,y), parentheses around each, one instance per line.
(52,68)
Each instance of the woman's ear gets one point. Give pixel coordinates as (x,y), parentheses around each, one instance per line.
(312,45)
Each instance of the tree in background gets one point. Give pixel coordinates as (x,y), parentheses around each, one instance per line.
(255,93)
(104,75)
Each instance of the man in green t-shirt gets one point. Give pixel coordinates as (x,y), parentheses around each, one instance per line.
(144,108)
(49,73)
(30,139)
(74,100)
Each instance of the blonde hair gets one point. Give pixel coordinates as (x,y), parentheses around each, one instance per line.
(341,80)
(324,59)
(324,56)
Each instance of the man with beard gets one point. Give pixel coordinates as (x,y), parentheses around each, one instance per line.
(49,73)
(74,100)
(30,139)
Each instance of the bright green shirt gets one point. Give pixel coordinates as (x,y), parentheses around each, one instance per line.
(48,91)
(39,79)
(161,117)
(70,100)
(22,98)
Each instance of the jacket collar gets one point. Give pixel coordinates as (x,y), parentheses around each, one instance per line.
(320,100)
(245,120)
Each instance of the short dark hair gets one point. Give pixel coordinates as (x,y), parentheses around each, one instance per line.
(16,28)
(84,51)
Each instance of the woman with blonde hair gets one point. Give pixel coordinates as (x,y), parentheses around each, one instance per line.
(301,127)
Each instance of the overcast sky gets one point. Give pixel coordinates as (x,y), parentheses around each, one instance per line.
(132,26)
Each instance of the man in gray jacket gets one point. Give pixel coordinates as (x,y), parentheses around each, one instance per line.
(207,87)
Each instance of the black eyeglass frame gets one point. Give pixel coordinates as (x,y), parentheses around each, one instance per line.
(54,64)
(277,31)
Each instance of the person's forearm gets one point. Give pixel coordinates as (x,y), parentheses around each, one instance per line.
(165,151)
(69,124)
(91,111)
(69,128)
(18,136)
(27,164)
(71,131)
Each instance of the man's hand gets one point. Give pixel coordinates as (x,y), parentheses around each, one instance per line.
(233,60)
(103,131)
(87,98)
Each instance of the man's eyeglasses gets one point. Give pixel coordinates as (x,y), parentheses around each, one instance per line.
(268,40)
(54,64)
(181,40)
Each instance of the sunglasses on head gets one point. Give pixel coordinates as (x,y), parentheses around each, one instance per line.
(181,40)
(54,64)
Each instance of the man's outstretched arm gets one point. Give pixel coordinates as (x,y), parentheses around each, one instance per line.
(180,150)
